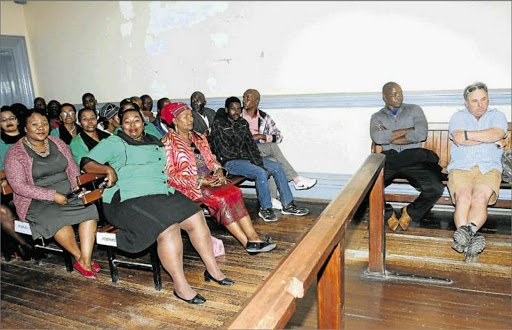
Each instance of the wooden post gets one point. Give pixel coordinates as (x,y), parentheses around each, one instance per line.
(330,289)
(377,248)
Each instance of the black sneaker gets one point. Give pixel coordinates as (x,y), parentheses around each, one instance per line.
(294,210)
(267,215)
(257,247)
(461,238)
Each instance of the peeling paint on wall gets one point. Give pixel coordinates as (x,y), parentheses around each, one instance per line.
(166,16)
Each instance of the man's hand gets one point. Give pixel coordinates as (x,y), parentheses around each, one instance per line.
(458,137)
(257,137)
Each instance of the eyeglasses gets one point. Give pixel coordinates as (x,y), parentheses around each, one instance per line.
(196,151)
(474,88)
(68,113)
(4,119)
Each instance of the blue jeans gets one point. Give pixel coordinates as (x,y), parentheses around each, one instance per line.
(251,171)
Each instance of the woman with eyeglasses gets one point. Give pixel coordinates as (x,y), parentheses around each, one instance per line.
(139,202)
(68,127)
(90,135)
(10,135)
(194,170)
(42,174)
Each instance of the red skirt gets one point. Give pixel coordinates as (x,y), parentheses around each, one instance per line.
(225,203)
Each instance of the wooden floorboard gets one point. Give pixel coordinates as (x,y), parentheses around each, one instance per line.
(45,296)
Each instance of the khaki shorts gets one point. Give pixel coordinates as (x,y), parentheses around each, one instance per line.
(468,179)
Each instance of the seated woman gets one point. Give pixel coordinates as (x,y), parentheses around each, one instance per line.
(42,174)
(68,127)
(10,135)
(90,135)
(194,171)
(139,202)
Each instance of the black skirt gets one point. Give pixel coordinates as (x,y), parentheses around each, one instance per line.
(142,219)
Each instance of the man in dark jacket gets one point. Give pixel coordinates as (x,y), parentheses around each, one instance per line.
(235,148)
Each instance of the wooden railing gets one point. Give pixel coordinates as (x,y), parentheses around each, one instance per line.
(320,253)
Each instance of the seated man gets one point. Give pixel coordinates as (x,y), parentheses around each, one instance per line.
(89,101)
(236,150)
(147,107)
(40,103)
(160,125)
(53,113)
(401,128)
(475,167)
(203,117)
(267,136)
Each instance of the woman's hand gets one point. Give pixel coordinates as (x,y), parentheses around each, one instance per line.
(111,177)
(60,198)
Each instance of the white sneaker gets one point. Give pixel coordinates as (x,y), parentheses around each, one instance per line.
(304,183)
(276,204)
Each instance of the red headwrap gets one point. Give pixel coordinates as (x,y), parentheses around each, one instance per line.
(172,110)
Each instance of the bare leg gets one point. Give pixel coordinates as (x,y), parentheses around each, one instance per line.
(479,199)
(7,219)
(249,230)
(462,206)
(199,234)
(66,238)
(235,230)
(170,252)
(87,233)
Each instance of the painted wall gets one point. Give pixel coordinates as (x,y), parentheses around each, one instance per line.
(117,49)
(13,23)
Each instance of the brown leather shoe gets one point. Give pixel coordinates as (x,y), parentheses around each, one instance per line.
(405,219)
(393,222)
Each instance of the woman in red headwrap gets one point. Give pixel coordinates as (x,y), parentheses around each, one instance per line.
(195,172)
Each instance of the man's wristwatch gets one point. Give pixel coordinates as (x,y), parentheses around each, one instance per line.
(466,135)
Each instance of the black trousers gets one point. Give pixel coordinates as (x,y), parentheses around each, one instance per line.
(425,178)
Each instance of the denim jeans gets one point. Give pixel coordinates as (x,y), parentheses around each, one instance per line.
(251,171)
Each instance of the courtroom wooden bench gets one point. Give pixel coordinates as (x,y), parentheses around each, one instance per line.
(438,141)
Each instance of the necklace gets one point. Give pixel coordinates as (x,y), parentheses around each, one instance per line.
(33,148)
(71,131)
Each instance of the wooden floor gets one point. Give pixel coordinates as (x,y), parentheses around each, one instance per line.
(45,296)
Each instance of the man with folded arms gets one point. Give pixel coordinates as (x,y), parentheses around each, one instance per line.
(401,128)
(474,172)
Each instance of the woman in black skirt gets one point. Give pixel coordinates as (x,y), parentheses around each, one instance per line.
(139,202)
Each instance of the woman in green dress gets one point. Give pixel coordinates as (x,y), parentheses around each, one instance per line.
(139,202)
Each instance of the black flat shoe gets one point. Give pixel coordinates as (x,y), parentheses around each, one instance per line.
(197,300)
(225,282)
(256,247)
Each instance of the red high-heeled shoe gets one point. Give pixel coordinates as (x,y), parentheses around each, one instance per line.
(85,272)
(95,267)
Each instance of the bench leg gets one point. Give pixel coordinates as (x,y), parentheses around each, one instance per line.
(112,265)
(68,261)
(155,264)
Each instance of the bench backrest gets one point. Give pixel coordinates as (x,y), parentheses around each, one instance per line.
(439,142)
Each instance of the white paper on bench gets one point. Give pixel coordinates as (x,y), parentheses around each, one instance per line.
(106,239)
(22,227)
